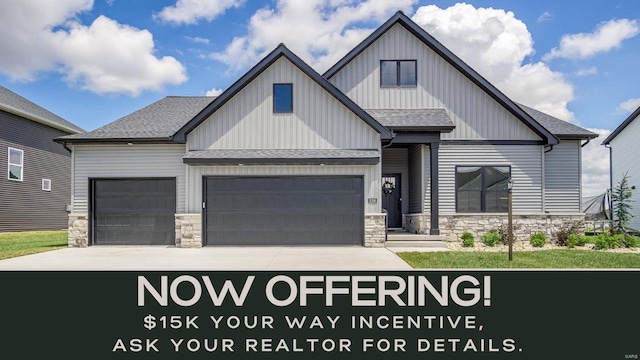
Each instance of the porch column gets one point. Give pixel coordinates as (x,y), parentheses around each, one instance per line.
(435,213)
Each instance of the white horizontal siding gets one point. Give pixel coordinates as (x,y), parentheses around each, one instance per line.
(121,161)
(371,173)
(562,177)
(318,121)
(526,172)
(475,114)
(626,159)
(395,161)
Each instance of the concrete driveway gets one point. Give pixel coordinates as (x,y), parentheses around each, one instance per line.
(209,258)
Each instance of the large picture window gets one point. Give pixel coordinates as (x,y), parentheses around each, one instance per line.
(482,188)
(15,164)
(394,73)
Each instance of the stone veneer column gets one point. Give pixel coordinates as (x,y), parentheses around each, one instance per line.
(78,230)
(374,230)
(417,223)
(188,230)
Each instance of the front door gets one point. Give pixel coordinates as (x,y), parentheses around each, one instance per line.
(391,200)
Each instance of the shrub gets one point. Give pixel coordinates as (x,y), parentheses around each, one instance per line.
(608,241)
(573,241)
(467,239)
(537,239)
(491,238)
(582,240)
(503,230)
(568,228)
(629,241)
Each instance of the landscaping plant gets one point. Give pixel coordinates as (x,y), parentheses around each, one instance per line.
(467,239)
(537,239)
(491,238)
(621,199)
(566,229)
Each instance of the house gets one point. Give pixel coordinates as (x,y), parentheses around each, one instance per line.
(623,155)
(36,184)
(288,156)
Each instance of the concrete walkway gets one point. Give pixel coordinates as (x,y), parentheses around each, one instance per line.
(209,258)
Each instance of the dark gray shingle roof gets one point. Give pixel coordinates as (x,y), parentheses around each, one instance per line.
(281,156)
(558,127)
(428,119)
(634,115)
(16,104)
(160,120)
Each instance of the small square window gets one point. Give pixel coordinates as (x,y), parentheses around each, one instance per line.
(282,98)
(396,73)
(46,184)
(15,168)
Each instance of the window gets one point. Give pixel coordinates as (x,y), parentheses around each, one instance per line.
(282,98)
(482,188)
(15,164)
(46,184)
(398,73)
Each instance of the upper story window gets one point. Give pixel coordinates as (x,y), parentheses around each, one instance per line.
(395,73)
(482,189)
(282,98)
(15,164)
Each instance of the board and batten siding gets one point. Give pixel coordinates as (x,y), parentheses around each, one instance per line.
(318,120)
(426,177)
(126,161)
(625,150)
(475,114)
(24,205)
(395,161)
(562,177)
(526,171)
(416,185)
(371,173)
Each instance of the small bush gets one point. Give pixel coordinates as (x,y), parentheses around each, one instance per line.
(491,238)
(573,241)
(582,240)
(503,230)
(629,241)
(568,228)
(467,239)
(537,239)
(607,241)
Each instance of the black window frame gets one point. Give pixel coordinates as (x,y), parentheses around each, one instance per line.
(275,110)
(398,84)
(483,189)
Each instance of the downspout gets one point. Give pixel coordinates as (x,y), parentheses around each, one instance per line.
(64,145)
(550,148)
(393,136)
(585,144)
(610,181)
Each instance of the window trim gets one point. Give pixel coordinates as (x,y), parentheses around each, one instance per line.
(9,164)
(397,85)
(274,98)
(43,187)
(483,201)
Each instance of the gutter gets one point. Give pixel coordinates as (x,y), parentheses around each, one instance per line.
(585,144)
(393,136)
(550,148)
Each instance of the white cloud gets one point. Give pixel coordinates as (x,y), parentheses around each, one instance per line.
(190,11)
(325,30)
(213,92)
(104,57)
(197,39)
(545,17)
(587,71)
(595,165)
(495,43)
(630,105)
(606,37)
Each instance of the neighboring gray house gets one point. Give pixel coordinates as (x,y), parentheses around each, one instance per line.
(35,186)
(288,156)
(624,148)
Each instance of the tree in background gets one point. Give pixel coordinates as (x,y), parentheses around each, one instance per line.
(621,199)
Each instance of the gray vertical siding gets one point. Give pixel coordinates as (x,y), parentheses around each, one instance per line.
(526,171)
(24,205)
(395,161)
(416,184)
(371,173)
(318,121)
(562,177)
(626,150)
(122,161)
(475,114)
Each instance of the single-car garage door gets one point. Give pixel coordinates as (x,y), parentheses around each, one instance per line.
(133,211)
(318,210)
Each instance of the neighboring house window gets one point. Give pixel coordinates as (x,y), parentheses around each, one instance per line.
(482,188)
(394,73)
(282,98)
(46,184)
(15,164)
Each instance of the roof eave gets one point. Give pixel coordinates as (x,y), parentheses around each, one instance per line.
(155,140)
(621,127)
(440,129)
(38,119)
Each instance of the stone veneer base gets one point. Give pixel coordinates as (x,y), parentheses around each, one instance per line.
(78,230)
(374,230)
(188,230)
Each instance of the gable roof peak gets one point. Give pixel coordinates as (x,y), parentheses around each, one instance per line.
(622,126)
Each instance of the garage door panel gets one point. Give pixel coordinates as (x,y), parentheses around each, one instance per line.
(285,211)
(134,211)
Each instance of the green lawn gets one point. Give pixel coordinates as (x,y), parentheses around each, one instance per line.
(565,259)
(31,242)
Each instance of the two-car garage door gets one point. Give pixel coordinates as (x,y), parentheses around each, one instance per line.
(308,210)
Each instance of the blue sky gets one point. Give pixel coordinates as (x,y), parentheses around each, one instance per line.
(92,62)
